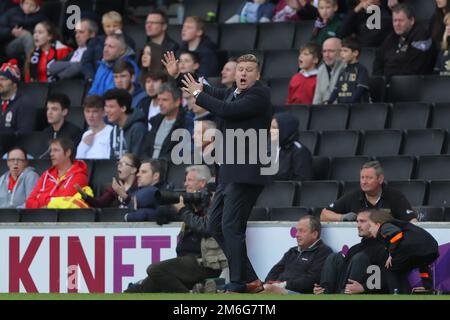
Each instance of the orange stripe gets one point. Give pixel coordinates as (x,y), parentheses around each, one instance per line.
(425,275)
(396,238)
(79,203)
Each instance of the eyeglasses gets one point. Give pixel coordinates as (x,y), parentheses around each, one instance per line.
(121,164)
(15,160)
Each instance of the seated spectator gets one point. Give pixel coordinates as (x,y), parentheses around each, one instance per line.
(95,142)
(443,61)
(372,195)
(328,23)
(329,70)
(58,106)
(129,124)
(47,50)
(123,187)
(347,273)
(407,50)
(71,66)
(125,78)
(187,63)
(204,148)
(356,24)
(300,267)
(437,26)
(61,178)
(112,24)
(115,50)
(294,10)
(294,159)
(303,84)
(156,29)
(149,105)
(158,144)
(353,82)
(228,73)
(198,112)
(195,40)
(253,11)
(17,110)
(17,26)
(409,247)
(151,58)
(17,183)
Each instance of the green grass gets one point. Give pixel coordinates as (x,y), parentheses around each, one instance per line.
(161,296)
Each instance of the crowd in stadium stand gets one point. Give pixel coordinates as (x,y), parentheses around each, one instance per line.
(134,102)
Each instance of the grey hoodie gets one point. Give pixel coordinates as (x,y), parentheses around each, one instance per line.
(25,184)
(130,138)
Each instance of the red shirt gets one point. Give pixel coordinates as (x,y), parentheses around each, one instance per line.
(12,183)
(302,87)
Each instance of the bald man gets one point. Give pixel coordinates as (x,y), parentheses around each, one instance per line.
(329,70)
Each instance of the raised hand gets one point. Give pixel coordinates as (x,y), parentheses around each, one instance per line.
(191,85)
(171,64)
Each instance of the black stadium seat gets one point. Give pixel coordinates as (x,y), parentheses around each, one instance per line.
(76,116)
(139,36)
(40,165)
(435,89)
(377,88)
(317,194)
(303,33)
(426,213)
(212,31)
(9,216)
(75,89)
(39,215)
(346,168)
(433,168)
(367,57)
(368,116)
(441,116)
(350,186)
(174,31)
(413,190)
(321,168)
(279,90)
(397,167)
(275,36)
(301,112)
(228,8)
(176,175)
(439,193)
(280,63)
(381,143)
(288,214)
(309,139)
(112,214)
(259,214)
(400,88)
(333,117)
(7,141)
(36,92)
(423,142)
(338,143)
(277,194)
(34,144)
(103,172)
(200,8)
(77,215)
(245,40)
(423,9)
(409,115)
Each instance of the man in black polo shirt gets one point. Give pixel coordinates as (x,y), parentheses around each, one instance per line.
(373,195)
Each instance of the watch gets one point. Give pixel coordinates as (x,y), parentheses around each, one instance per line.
(196,93)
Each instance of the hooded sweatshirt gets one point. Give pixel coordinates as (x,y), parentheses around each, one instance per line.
(129,139)
(295,160)
(50,186)
(24,185)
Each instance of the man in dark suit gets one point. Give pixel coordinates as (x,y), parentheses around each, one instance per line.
(246,106)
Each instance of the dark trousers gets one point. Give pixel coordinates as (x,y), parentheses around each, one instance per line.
(176,275)
(227,223)
(399,282)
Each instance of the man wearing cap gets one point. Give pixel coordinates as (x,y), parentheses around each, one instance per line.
(16,110)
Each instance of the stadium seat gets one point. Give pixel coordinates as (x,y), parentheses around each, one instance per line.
(53,10)
(277,194)
(413,190)
(423,142)
(303,33)
(77,215)
(441,116)
(38,215)
(426,213)
(332,117)
(381,143)
(433,168)
(317,194)
(259,214)
(410,115)
(423,9)
(321,167)
(112,214)
(346,168)
(367,57)
(174,31)
(301,112)
(176,175)
(279,90)
(9,215)
(288,214)
(7,141)
(349,186)
(76,116)
(200,8)
(102,173)
(377,88)
(435,89)
(245,41)
(37,92)
(138,34)
(439,193)
(338,143)
(75,89)
(397,167)
(228,8)
(447,214)
(399,89)
(212,31)
(280,63)
(309,139)
(368,116)
(276,36)
(40,165)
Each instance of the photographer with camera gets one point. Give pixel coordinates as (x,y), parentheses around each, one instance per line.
(198,255)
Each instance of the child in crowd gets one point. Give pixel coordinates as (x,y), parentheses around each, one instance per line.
(295,10)
(409,247)
(353,82)
(303,84)
(443,61)
(47,49)
(328,23)
(253,11)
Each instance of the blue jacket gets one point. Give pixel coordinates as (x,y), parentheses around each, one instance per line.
(265,10)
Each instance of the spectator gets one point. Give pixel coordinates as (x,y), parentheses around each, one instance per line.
(58,106)
(149,105)
(151,58)
(353,82)
(300,267)
(253,11)
(125,78)
(328,23)
(294,10)
(443,62)
(198,112)
(407,50)
(61,178)
(158,144)
(115,50)
(409,247)
(347,273)
(123,187)
(204,135)
(112,24)
(228,73)
(71,66)
(355,23)
(294,159)
(6,5)
(129,124)
(303,84)
(437,25)
(17,110)
(17,183)
(95,142)
(329,70)
(17,26)
(198,255)
(194,39)
(156,30)
(47,50)
(372,195)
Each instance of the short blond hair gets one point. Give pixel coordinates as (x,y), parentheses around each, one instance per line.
(248,58)
(199,22)
(112,16)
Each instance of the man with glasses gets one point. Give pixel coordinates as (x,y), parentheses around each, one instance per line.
(156,30)
(329,70)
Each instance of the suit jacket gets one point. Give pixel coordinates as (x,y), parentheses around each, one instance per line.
(251,109)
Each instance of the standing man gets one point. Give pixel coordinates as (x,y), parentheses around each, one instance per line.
(246,106)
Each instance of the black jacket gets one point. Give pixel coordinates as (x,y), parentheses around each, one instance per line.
(206,51)
(301,270)
(68,130)
(16,17)
(19,116)
(169,44)
(251,109)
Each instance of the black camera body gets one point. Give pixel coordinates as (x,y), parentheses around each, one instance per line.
(199,198)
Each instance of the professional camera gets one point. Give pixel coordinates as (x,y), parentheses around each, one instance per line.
(199,198)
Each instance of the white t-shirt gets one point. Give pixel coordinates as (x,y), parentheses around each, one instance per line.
(153,110)
(100,148)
